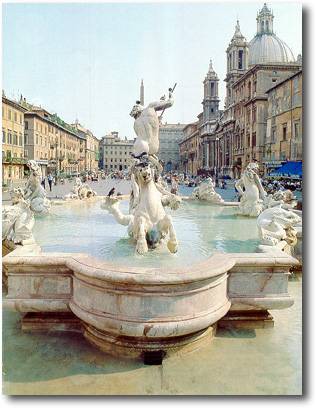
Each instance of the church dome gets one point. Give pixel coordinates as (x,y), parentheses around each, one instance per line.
(266,47)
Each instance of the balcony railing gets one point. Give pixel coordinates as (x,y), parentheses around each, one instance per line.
(13,160)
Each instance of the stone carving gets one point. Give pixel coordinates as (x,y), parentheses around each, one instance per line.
(17,219)
(253,195)
(80,191)
(146,127)
(34,191)
(277,224)
(285,199)
(147,221)
(206,192)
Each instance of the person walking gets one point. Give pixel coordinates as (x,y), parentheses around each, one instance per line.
(43,182)
(50,181)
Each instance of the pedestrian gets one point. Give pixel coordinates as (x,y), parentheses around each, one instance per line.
(50,181)
(43,182)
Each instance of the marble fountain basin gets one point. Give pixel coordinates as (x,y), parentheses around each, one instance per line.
(127,309)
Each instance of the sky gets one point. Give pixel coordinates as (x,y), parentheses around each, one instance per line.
(86,61)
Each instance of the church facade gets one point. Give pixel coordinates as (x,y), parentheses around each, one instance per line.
(237,135)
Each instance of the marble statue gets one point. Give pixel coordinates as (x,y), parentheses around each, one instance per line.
(277,224)
(147,221)
(34,192)
(282,198)
(206,192)
(146,127)
(80,191)
(18,219)
(253,195)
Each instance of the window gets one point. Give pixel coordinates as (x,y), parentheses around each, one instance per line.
(26,125)
(9,114)
(212,89)
(26,153)
(284,129)
(15,138)
(20,139)
(3,136)
(296,130)
(273,135)
(240,59)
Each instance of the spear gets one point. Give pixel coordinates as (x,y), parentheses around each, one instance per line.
(171,92)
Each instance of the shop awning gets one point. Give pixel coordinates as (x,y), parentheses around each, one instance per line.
(289,169)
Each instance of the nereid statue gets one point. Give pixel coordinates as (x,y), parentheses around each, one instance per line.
(34,191)
(17,219)
(253,195)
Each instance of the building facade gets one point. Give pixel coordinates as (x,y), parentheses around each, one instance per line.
(89,149)
(12,141)
(252,69)
(284,123)
(190,149)
(52,143)
(169,139)
(115,153)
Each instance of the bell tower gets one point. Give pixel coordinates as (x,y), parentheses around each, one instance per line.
(237,62)
(211,100)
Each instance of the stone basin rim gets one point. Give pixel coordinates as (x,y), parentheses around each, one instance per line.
(91,267)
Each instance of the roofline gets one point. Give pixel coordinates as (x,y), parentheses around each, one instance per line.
(257,67)
(15,104)
(31,113)
(284,80)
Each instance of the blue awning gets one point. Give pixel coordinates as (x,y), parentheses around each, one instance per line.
(289,169)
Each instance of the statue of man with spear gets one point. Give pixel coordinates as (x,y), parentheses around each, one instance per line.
(146,126)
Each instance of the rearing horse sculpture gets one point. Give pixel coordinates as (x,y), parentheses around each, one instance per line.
(147,222)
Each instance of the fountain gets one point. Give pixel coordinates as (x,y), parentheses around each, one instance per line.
(147,293)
